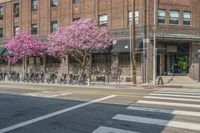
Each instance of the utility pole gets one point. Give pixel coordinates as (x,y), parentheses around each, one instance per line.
(134,81)
(154,43)
(144,51)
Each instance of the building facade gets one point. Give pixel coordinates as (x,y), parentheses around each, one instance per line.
(177,30)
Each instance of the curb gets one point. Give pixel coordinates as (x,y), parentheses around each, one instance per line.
(109,86)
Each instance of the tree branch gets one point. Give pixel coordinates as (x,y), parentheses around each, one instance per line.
(77,59)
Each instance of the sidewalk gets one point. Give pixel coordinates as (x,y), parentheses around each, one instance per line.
(195,85)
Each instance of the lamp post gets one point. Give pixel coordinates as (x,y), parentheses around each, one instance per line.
(134,81)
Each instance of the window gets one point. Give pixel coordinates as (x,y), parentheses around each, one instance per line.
(34,29)
(54,26)
(1,12)
(130,17)
(16,9)
(161,16)
(54,3)
(76,19)
(103,20)
(16,30)
(1,32)
(34,5)
(186,17)
(124,60)
(136,18)
(76,2)
(174,17)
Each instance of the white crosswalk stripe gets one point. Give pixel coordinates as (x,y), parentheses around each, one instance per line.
(174,95)
(171,98)
(179,93)
(176,124)
(166,111)
(160,117)
(170,104)
(104,129)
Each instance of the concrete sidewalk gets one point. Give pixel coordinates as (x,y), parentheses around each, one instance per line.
(195,85)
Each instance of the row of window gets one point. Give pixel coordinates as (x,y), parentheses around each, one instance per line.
(174,17)
(34,28)
(34,6)
(54,3)
(103,19)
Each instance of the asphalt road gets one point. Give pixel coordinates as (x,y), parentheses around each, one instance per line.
(60,109)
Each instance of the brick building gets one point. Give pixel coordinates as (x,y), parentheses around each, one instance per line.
(178,30)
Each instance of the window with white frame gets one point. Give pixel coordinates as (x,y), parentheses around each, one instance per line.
(34,5)
(1,12)
(76,1)
(16,30)
(54,26)
(161,16)
(103,20)
(54,3)
(34,29)
(174,17)
(186,17)
(16,9)
(1,32)
(130,17)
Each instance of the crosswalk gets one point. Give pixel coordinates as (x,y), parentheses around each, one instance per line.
(161,111)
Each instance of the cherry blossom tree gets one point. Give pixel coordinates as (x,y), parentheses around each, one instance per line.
(22,46)
(78,40)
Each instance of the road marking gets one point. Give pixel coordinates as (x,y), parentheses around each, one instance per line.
(181,93)
(25,123)
(103,129)
(173,95)
(160,122)
(169,104)
(170,98)
(47,95)
(167,111)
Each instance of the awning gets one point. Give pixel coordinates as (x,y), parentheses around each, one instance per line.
(2,50)
(178,37)
(102,51)
(6,53)
(123,46)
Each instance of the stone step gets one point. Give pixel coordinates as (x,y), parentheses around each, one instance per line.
(177,79)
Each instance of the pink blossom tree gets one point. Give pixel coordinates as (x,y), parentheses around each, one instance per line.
(22,46)
(78,40)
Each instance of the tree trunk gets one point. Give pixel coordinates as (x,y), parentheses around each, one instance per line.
(24,66)
(86,68)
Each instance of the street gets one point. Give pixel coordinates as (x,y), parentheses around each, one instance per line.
(31,108)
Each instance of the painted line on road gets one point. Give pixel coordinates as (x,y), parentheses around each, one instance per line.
(103,129)
(173,95)
(47,95)
(169,104)
(166,111)
(171,98)
(160,122)
(181,93)
(25,123)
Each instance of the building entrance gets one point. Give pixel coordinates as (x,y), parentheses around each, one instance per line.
(174,61)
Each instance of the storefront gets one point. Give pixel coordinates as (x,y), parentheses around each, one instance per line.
(176,55)
(173,59)
(122,51)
